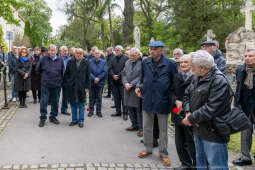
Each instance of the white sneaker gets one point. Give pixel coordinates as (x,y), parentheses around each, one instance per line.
(14,99)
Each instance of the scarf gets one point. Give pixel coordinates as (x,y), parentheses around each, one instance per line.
(23,59)
(249,78)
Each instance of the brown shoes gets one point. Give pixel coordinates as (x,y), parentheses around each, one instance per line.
(144,154)
(131,129)
(165,161)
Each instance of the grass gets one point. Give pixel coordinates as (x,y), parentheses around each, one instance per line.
(235,143)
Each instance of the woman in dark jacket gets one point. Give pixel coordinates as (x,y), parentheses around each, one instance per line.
(35,76)
(22,82)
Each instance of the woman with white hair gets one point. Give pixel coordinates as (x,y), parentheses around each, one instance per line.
(207,100)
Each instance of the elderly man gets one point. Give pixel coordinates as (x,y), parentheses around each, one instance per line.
(115,70)
(109,57)
(12,59)
(65,56)
(183,134)
(98,72)
(156,88)
(52,69)
(210,47)
(77,76)
(177,53)
(245,97)
(130,78)
(207,99)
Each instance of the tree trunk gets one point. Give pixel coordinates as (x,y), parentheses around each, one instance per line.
(102,34)
(84,35)
(128,25)
(110,20)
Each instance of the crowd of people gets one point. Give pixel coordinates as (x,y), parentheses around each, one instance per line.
(145,88)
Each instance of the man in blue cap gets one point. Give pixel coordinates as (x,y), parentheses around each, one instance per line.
(156,89)
(210,47)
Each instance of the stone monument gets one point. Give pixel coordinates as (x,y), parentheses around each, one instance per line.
(137,37)
(210,35)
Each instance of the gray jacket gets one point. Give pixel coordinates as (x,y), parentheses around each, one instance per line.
(131,74)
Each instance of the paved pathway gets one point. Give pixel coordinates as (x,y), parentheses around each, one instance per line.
(102,144)
(102,140)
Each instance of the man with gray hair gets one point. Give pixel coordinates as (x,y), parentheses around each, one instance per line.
(116,67)
(52,70)
(65,56)
(130,78)
(208,100)
(177,53)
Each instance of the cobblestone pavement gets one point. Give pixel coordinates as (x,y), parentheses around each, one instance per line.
(102,144)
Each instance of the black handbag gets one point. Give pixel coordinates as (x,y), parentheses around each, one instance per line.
(236,121)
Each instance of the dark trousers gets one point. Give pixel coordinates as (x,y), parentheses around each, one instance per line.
(46,94)
(22,96)
(185,145)
(64,105)
(135,118)
(155,128)
(95,98)
(36,93)
(119,98)
(109,85)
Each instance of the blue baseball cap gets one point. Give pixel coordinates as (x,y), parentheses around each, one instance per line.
(156,44)
(208,43)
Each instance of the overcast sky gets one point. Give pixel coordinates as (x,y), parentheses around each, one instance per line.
(58,17)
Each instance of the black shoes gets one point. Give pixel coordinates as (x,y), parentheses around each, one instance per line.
(41,123)
(125,117)
(113,107)
(81,125)
(35,101)
(66,113)
(90,114)
(241,162)
(116,114)
(73,123)
(54,120)
(99,114)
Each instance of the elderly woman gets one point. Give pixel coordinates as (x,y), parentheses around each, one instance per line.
(206,100)
(22,82)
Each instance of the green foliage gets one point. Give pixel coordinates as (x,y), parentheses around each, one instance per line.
(7,10)
(192,19)
(2,43)
(37,26)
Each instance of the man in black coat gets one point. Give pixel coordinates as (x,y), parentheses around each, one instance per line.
(208,99)
(183,135)
(77,76)
(245,97)
(116,67)
(109,57)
